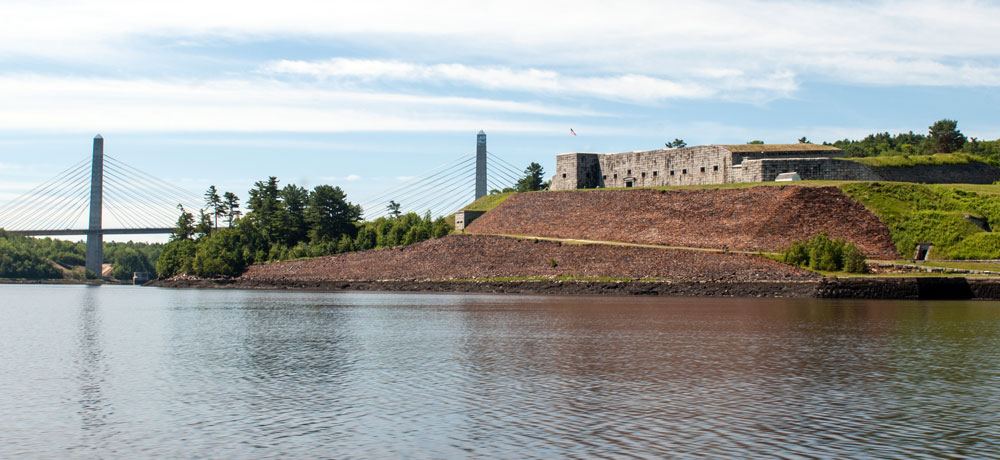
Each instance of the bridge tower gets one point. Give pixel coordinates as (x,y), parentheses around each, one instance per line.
(480,164)
(95,238)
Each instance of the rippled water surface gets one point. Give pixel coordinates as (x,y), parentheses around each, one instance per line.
(123,372)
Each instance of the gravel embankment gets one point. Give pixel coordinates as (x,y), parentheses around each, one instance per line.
(749,219)
(481,256)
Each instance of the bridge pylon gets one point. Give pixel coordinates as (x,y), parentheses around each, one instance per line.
(95,237)
(480,164)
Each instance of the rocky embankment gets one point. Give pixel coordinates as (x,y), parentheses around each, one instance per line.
(749,219)
(481,263)
(484,257)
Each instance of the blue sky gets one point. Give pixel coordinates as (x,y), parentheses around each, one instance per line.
(364,96)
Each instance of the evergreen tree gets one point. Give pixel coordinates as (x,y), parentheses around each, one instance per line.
(232,207)
(214,203)
(945,137)
(532,179)
(329,215)
(185,226)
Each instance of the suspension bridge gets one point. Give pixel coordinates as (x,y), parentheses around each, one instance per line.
(74,202)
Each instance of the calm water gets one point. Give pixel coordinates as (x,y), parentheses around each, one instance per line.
(122,372)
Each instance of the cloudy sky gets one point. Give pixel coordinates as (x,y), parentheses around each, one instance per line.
(365,94)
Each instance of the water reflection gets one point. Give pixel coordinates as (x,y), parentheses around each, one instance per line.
(91,373)
(275,374)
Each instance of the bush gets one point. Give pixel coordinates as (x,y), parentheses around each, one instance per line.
(854,259)
(822,253)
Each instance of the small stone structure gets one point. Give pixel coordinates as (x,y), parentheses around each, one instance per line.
(729,164)
(464,218)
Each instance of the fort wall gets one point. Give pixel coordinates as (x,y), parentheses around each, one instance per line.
(718,164)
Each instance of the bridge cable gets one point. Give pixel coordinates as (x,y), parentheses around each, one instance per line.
(146,177)
(114,203)
(425,175)
(435,186)
(415,199)
(448,192)
(38,189)
(462,163)
(165,195)
(142,198)
(28,201)
(445,191)
(50,202)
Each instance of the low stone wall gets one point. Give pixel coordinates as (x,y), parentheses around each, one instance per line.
(970,173)
(813,169)
(750,219)
(766,170)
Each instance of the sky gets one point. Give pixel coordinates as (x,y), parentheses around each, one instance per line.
(364,95)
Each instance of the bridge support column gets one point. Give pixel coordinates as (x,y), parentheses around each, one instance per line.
(95,237)
(480,164)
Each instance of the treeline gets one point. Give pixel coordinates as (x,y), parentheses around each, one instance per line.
(46,258)
(942,137)
(282,223)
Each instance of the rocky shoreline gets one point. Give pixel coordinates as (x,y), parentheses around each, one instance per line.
(829,288)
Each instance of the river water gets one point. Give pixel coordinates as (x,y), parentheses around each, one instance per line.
(129,372)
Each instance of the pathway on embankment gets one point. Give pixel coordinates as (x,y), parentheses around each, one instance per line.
(746,219)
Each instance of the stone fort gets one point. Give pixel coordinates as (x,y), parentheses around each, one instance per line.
(728,164)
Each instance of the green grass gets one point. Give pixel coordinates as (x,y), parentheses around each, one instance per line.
(934,214)
(983,266)
(917,160)
(488,202)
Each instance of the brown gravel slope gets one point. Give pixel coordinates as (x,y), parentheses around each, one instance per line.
(482,256)
(749,219)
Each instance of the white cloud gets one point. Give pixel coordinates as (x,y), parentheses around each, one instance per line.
(34,102)
(348,178)
(628,87)
(656,39)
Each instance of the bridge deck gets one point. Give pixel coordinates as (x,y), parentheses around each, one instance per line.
(105,231)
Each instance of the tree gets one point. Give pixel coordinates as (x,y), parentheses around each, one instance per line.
(232,206)
(393,208)
(295,199)
(532,179)
(755,142)
(177,257)
(129,261)
(945,137)
(330,215)
(214,204)
(676,144)
(803,140)
(204,226)
(185,226)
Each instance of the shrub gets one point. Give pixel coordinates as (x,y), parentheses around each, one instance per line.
(797,254)
(822,253)
(854,259)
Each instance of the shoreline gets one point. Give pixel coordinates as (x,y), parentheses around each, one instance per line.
(916,288)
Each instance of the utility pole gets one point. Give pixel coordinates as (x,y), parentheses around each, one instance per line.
(480,164)
(95,238)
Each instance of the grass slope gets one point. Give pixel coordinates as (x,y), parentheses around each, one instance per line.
(488,202)
(937,159)
(935,214)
